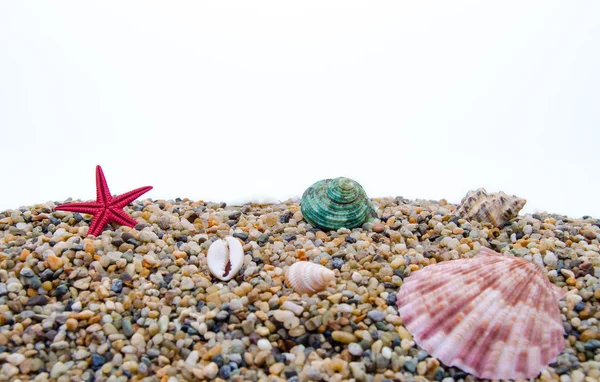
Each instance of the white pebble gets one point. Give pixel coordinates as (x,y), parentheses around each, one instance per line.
(550,259)
(138,341)
(163,324)
(283,315)
(264,344)
(192,358)
(15,358)
(211,370)
(9,370)
(386,352)
(297,309)
(236,304)
(58,369)
(355,349)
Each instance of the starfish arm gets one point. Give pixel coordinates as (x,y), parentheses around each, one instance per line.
(102,191)
(128,197)
(98,223)
(119,216)
(86,208)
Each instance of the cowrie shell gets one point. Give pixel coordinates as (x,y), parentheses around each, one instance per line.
(225,258)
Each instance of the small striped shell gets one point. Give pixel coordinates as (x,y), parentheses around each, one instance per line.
(495,208)
(306,277)
(335,203)
(494,316)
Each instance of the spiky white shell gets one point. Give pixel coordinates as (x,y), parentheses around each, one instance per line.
(222,252)
(494,316)
(494,208)
(306,277)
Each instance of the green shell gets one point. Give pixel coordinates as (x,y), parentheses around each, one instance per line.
(335,203)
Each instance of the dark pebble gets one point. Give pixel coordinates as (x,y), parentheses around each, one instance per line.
(116,286)
(350,240)
(33,282)
(289,237)
(337,263)
(302,340)
(37,300)
(117,242)
(285,217)
(434,237)
(289,374)
(439,374)
(410,365)
(189,330)
(235,216)
(60,290)
(562,369)
(97,361)
(243,236)
(391,299)
(579,306)
(126,236)
(47,275)
(369,366)
(263,239)
(218,359)
(50,334)
(592,345)
(381,326)
(314,341)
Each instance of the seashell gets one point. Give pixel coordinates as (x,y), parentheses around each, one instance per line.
(494,316)
(225,258)
(495,208)
(335,203)
(306,277)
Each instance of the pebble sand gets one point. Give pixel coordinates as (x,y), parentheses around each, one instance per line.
(139,303)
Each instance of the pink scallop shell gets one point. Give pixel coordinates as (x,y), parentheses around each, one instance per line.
(493,316)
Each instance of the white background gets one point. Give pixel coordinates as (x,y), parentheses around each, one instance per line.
(242,101)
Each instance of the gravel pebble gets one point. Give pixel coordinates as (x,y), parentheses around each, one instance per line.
(139,303)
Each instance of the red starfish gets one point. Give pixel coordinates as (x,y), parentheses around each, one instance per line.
(106,209)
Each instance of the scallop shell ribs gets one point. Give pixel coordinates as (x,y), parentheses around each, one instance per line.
(495,208)
(493,316)
(225,258)
(335,203)
(306,277)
